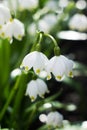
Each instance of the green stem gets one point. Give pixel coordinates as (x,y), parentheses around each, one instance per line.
(19,96)
(31,116)
(37,44)
(10,97)
(52,38)
(56,47)
(40,37)
(4,58)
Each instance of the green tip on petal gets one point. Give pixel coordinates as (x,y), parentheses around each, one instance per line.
(32,98)
(19,37)
(48,77)
(59,77)
(11,19)
(37,71)
(26,68)
(42,96)
(71,74)
(0,26)
(3,34)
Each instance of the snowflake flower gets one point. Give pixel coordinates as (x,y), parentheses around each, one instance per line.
(60,66)
(13,28)
(6,31)
(35,88)
(53,119)
(78,22)
(35,59)
(18,29)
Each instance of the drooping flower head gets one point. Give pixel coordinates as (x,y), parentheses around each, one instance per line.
(10,27)
(14,28)
(78,22)
(35,59)
(60,66)
(35,88)
(18,29)
(53,119)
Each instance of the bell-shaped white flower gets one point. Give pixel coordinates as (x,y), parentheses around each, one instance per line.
(35,88)
(18,29)
(42,88)
(32,90)
(54,119)
(35,59)
(7,31)
(60,66)
(5,15)
(11,29)
(78,22)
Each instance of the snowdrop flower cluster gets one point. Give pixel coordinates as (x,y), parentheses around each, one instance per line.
(53,119)
(59,66)
(78,22)
(35,88)
(9,27)
(27,4)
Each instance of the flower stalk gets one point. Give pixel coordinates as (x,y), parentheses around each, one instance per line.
(56,47)
(37,45)
(10,97)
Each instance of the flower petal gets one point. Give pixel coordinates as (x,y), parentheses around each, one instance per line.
(28,61)
(40,61)
(18,29)
(7,31)
(5,15)
(32,90)
(42,87)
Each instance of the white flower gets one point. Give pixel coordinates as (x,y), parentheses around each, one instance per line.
(32,90)
(63,3)
(47,23)
(78,22)
(5,15)
(12,5)
(35,59)
(12,28)
(43,74)
(53,119)
(35,88)
(6,31)
(18,29)
(28,4)
(60,66)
